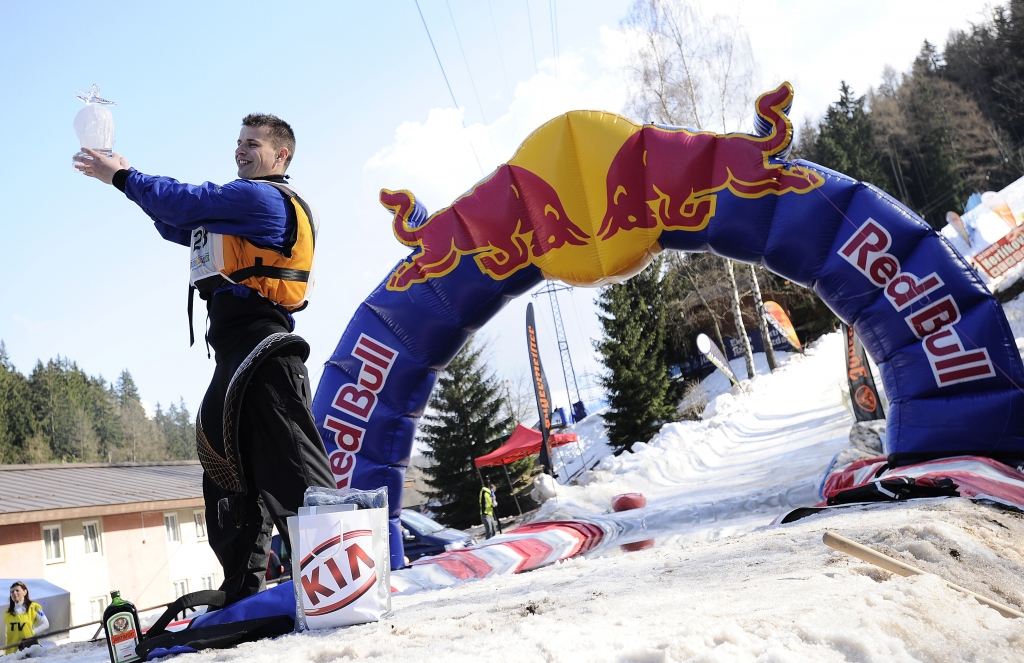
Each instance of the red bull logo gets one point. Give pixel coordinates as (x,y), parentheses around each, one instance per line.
(670,178)
(506,223)
(587,195)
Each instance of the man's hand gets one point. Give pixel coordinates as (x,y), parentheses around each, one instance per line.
(94,164)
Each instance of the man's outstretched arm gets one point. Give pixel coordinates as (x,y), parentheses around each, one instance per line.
(242,207)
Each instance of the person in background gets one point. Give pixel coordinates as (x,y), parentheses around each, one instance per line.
(494,503)
(24,619)
(275,567)
(487,512)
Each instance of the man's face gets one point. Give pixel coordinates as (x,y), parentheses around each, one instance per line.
(255,155)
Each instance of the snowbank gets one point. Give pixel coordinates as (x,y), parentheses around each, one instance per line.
(573,459)
(762,449)
(593,438)
(1014,311)
(775,594)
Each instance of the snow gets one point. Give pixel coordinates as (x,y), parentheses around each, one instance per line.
(764,450)
(721,585)
(591,447)
(774,594)
(593,439)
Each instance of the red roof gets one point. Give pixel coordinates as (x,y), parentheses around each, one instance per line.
(524,442)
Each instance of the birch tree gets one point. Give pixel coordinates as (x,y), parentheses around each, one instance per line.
(691,68)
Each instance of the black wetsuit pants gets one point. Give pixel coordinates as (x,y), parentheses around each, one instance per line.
(281,454)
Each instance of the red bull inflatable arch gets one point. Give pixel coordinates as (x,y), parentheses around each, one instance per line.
(590,197)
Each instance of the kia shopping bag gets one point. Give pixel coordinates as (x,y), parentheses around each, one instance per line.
(340,566)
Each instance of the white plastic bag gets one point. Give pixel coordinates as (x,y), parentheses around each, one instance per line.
(341,566)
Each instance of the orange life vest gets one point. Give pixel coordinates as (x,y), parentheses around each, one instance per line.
(282,276)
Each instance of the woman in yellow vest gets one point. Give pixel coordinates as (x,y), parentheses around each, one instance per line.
(23,619)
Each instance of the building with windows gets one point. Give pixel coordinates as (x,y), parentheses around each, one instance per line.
(91,528)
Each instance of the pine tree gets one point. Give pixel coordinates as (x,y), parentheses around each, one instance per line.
(633,351)
(936,140)
(178,431)
(131,414)
(845,141)
(467,417)
(16,424)
(62,398)
(988,63)
(61,413)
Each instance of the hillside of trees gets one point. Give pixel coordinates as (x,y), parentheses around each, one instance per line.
(58,413)
(950,126)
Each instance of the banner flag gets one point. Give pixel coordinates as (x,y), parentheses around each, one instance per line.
(998,204)
(953,219)
(866,404)
(777,318)
(540,388)
(715,356)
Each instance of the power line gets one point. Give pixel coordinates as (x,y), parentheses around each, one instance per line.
(448,84)
(553,11)
(533,47)
(466,61)
(501,56)
(469,71)
(435,53)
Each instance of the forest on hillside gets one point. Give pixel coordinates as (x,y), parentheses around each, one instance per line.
(58,413)
(951,126)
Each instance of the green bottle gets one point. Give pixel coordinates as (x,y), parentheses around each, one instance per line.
(121,624)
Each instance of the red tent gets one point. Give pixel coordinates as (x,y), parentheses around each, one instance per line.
(524,442)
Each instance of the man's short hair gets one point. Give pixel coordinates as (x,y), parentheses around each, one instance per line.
(281,133)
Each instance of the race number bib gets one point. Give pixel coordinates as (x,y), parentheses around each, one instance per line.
(207,255)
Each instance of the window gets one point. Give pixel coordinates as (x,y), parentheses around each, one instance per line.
(200,517)
(207,582)
(97,606)
(53,543)
(180,588)
(171,525)
(91,536)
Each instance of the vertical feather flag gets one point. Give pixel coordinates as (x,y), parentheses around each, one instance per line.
(540,388)
(866,404)
(715,356)
(777,318)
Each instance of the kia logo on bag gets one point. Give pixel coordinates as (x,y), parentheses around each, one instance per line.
(340,577)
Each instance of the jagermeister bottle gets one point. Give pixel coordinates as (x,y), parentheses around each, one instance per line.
(121,624)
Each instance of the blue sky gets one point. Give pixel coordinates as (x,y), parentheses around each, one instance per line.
(88,278)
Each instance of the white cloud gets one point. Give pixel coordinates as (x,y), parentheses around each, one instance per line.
(437,159)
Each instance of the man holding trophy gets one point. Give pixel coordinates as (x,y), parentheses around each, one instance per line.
(251,243)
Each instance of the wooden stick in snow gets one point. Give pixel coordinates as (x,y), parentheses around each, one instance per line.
(842,544)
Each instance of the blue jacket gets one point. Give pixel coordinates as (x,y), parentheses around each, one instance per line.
(245,208)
